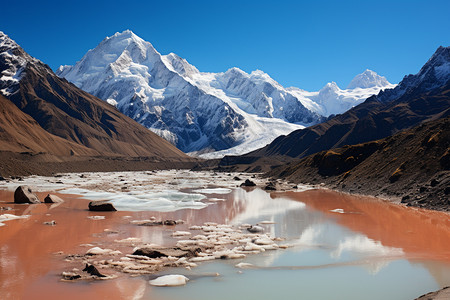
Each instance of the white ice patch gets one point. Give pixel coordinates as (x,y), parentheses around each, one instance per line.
(9,217)
(169,280)
(213,191)
(165,201)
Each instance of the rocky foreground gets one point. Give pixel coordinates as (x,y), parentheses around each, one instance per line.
(201,243)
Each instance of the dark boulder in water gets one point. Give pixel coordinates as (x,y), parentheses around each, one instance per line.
(248,182)
(101,206)
(24,194)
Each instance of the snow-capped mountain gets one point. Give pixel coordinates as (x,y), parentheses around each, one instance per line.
(229,113)
(12,64)
(46,114)
(435,73)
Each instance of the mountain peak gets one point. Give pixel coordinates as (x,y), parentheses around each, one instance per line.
(12,62)
(368,79)
(434,73)
(6,41)
(126,34)
(440,62)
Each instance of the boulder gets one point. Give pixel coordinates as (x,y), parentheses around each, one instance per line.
(52,199)
(248,183)
(170,222)
(166,252)
(270,186)
(255,229)
(24,194)
(101,206)
(91,269)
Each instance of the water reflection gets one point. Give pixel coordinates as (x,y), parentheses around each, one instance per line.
(342,245)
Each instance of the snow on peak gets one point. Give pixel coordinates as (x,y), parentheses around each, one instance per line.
(13,61)
(434,73)
(179,65)
(6,41)
(368,79)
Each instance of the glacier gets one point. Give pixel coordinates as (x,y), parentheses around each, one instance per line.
(206,114)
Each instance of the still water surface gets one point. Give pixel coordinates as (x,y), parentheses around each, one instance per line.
(342,247)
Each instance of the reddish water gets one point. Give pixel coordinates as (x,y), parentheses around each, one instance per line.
(29,267)
(419,232)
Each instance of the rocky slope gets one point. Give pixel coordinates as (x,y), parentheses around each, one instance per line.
(418,98)
(21,133)
(412,165)
(228,113)
(53,116)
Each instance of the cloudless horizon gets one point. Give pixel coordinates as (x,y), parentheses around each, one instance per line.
(298,43)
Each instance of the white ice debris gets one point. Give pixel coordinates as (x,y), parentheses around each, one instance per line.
(243,265)
(180,233)
(169,280)
(9,217)
(130,240)
(100,251)
(337,210)
(96,217)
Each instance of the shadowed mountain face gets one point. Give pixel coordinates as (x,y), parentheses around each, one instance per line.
(418,98)
(413,165)
(21,133)
(87,125)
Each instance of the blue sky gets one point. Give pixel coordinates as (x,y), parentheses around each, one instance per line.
(299,43)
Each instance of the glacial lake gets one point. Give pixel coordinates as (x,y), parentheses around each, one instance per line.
(340,246)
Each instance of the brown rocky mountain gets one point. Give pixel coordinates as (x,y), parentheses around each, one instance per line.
(412,165)
(21,133)
(54,117)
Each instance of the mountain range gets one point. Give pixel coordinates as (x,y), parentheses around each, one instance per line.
(416,99)
(212,114)
(395,144)
(43,114)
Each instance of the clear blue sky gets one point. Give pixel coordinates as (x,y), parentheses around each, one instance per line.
(299,43)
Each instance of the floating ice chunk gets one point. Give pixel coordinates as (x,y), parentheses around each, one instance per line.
(169,280)
(100,251)
(9,217)
(267,222)
(180,233)
(96,217)
(130,240)
(213,191)
(243,265)
(195,227)
(263,240)
(215,199)
(202,258)
(253,247)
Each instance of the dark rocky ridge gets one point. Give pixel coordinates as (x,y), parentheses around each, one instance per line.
(413,165)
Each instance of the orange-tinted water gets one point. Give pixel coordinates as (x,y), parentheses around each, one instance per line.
(29,267)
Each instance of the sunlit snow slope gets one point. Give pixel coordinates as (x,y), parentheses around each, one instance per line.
(224,113)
